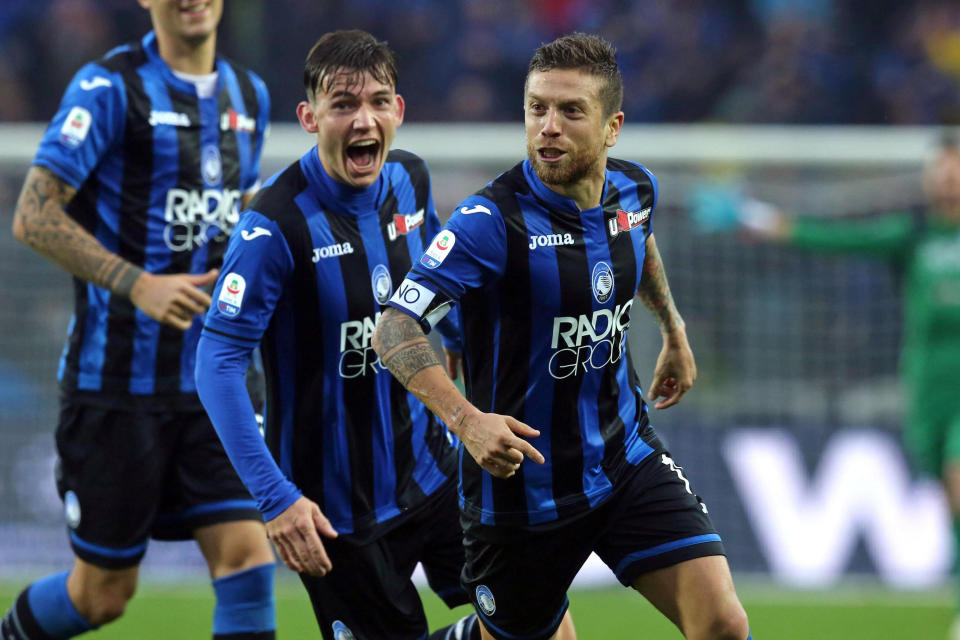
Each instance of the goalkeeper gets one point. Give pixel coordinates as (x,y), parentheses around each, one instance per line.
(926,250)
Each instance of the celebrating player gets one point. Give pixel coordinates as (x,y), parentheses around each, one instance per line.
(542,266)
(360,484)
(134,190)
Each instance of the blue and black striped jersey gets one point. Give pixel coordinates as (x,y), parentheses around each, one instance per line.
(306,276)
(544,293)
(159,174)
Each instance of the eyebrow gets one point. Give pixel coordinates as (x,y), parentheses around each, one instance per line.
(577,102)
(343,93)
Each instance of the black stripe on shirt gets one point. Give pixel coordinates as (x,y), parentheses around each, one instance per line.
(138,164)
(189,177)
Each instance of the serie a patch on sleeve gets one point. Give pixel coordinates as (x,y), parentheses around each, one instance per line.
(75,128)
(231,295)
(439,249)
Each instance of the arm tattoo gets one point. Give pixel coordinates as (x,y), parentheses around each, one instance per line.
(41,221)
(404,350)
(654,291)
(410,359)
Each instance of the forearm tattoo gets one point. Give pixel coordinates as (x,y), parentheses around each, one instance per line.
(654,291)
(404,350)
(410,359)
(44,225)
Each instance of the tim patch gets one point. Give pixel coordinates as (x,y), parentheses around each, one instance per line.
(231,295)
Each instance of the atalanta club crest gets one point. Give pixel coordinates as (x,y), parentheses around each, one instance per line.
(602,281)
(382,284)
(342,631)
(485,599)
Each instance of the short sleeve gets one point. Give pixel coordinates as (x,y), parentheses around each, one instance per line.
(255,269)
(467,253)
(89,121)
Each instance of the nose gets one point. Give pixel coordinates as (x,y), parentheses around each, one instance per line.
(551,124)
(364,118)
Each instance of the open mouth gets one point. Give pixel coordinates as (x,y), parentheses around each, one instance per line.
(549,154)
(194,9)
(362,155)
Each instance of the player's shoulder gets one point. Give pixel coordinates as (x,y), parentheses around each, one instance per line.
(633,170)
(247,77)
(122,58)
(400,161)
(106,74)
(276,198)
(502,191)
(404,157)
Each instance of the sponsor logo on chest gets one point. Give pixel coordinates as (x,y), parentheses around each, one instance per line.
(233,121)
(627,220)
(550,240)
(171,118)
(195,217)
(588,342)
(404,223)
(332,251)
(357,357)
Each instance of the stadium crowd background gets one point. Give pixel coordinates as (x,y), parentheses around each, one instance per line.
(743,61)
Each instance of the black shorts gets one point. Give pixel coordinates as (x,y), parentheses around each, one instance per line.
(370,593)
(129,474)
(518,577)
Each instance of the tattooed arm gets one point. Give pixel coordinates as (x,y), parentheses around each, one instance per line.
(676,369)
(491,439)
(41,222)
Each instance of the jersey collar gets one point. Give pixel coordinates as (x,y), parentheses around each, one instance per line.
(551,197)
(149,43)
(336,196)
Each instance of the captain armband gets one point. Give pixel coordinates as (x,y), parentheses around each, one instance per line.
(426,305)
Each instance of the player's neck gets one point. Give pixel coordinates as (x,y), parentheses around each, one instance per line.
(585,192)
(189,57)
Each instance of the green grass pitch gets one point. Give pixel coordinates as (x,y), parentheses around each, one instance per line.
(184,612)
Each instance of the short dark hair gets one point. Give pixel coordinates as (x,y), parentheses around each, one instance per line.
(352,50)
(589,53)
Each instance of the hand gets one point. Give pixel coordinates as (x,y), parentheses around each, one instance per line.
(764,219)
(294,534)
(674,373)
(454,363)
(493,441)
(172,299)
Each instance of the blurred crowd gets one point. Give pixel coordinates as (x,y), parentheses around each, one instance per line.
(742,61)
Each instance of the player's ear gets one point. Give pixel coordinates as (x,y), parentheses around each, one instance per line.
(306,116)
(144,3)
(614,125)
(401,107)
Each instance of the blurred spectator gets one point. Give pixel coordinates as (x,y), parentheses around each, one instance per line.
(760,61)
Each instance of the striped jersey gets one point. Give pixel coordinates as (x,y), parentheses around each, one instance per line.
(306,277)
(159,174)
(544,293)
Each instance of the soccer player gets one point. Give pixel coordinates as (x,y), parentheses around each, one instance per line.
(134,190)
(359,486)
(925,247)
(542,266)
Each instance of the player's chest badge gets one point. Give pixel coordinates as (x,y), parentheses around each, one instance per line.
(602,282)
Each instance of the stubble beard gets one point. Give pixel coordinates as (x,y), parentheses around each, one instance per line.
(572,169)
